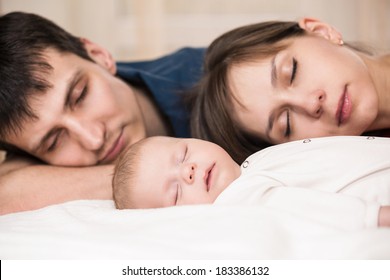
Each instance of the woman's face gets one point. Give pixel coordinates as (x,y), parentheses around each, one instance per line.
(313,88)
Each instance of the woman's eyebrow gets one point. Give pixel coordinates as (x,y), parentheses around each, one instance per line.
(274,80)
(271,120)
(274,74)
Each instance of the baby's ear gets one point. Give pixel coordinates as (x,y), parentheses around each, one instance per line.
(322,29)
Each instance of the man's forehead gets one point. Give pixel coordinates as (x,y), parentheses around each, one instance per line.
(45,107)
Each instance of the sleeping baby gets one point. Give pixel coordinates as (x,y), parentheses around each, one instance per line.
(341,180)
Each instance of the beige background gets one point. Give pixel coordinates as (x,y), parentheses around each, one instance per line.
(139,29)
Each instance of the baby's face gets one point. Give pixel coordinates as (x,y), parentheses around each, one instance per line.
(176,171)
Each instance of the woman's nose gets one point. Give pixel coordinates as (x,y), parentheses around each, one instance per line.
(318,98)
(312,103)
(188,172)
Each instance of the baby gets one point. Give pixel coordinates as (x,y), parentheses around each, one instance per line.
(326,173)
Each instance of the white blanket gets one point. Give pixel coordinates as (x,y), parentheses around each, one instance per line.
(96,230)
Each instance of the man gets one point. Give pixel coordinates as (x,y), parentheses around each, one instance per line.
(67,109)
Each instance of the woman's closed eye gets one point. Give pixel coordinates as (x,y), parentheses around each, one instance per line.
(294,69)
(287,131)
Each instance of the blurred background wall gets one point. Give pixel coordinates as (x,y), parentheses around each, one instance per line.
(141,29)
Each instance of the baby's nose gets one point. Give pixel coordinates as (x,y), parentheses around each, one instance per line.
(188,173)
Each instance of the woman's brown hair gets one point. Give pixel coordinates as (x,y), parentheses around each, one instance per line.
(212,117)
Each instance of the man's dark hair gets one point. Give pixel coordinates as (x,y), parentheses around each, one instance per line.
(24,38)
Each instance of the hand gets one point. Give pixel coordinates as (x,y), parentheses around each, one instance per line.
(384,216)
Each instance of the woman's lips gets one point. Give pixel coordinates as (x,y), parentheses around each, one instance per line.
(115,149)
(344,108)
(208,176)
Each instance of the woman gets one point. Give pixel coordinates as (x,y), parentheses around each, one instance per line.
(275,82)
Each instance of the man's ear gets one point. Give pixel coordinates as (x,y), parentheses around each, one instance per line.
(319,28)
(100,55)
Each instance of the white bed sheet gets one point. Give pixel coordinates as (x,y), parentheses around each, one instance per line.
(96,230)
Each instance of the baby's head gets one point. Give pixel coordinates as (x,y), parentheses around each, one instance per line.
(164,171)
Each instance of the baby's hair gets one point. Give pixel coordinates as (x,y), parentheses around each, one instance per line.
(125,173)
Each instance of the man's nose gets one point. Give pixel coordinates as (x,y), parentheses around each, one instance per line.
(89,134)
(188,172)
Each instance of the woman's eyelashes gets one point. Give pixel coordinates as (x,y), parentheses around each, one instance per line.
(294,69)
(287,131)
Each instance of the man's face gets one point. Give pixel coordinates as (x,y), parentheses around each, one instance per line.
(87,117)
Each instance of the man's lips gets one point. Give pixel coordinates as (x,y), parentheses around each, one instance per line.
(344,108)
(115,149)
(208,176)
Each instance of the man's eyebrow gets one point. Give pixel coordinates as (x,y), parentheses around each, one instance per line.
(75,78)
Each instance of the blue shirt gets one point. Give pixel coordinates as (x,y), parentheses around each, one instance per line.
(168,78)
